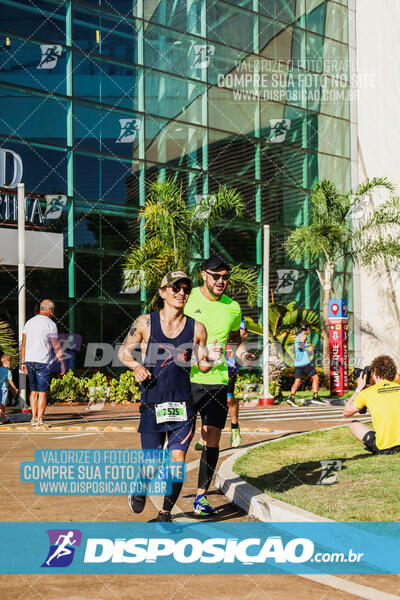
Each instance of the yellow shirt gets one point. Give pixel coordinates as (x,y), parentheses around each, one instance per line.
(383,403)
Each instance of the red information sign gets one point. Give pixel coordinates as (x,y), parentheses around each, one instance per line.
(339,354)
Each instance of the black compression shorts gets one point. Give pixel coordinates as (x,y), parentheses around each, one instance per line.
(210,401)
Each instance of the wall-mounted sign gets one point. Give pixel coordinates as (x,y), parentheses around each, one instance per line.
(11,170)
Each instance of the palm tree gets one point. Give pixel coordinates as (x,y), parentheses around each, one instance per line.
(283,321)
(8,344)
(330,238)
(174,234)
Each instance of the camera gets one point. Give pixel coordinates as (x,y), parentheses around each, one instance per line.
(366,371)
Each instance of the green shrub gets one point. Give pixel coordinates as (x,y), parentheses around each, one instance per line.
(98,387)
(68,388)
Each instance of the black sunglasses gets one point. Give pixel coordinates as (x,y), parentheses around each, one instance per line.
(217,276)
(177,287)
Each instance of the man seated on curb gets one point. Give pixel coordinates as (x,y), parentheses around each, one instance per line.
(382,398)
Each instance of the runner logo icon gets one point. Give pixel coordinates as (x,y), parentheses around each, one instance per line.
(62,547)
(129,128)
(202,55)
(50,55)
(279,128)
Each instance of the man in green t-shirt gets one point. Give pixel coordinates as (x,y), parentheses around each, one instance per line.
(221,316)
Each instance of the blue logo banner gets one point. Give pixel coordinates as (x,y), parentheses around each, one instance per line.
(200,548)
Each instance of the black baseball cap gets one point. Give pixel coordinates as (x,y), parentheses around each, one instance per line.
(304,325)
(215,263)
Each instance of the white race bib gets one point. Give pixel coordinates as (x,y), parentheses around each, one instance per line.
(171,412)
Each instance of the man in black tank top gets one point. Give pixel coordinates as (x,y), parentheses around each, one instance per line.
(167,339)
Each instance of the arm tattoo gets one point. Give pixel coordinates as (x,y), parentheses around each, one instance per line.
(148,323)
(134,327)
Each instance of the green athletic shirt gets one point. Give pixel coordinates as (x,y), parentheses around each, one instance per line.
(220,317)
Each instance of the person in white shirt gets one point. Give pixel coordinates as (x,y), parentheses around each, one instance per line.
(39,339)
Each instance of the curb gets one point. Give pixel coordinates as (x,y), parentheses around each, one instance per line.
(256,503)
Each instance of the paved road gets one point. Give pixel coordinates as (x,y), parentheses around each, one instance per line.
(116,428)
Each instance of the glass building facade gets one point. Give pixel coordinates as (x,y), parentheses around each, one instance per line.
(99,98)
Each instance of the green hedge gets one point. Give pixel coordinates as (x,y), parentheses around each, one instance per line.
(70,388)
(73,388)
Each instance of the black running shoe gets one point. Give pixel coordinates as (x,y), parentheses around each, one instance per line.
(319,401)
(136,503)
(164,517)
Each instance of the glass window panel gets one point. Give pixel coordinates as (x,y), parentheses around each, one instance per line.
(329,95)
(41,19)
(87,270)
(55,282)
(118,232)
(174,143)
(327,56)
(103,33)
(283,207)
(107,82)
(121,7)
(238,243)
(322,166)
(284,165)
(226,61)
(336,59)
(175,98)
(40,66)
(246,189)
(315,16)
(177,53)
(329,135)
(282,124)
(328,18)
(99,180)
(34,118)
(235,114)
(177,14)
(112,282)
(87,229)
(231,155)
(191,181)
(118,317)
(232,26)
(107,131)
(280,42)
(284,10)
(45,171)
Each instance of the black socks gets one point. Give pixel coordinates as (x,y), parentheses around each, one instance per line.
(208,462)
(170,500)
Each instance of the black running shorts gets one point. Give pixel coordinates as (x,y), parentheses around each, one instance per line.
(309,369)
(369,441)
(210,401)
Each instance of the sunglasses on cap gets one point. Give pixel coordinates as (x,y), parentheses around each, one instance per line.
(216,276)
(177,287)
